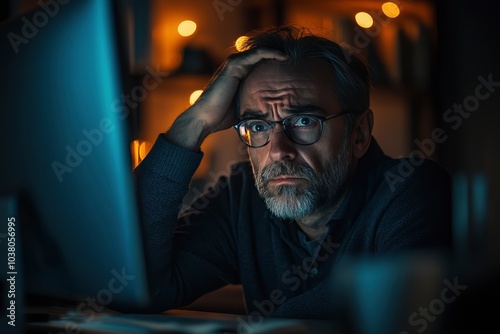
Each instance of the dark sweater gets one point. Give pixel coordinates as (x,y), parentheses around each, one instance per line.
(229,236)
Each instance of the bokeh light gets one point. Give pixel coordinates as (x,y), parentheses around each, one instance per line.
(240,43)
(194,96)
(390,9)
(186,28)
(364,20)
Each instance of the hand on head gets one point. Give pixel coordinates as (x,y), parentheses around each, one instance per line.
(215,109)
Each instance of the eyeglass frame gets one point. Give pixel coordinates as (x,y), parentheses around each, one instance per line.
(272,125)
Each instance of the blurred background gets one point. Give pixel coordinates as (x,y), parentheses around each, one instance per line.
(436,83)
(185,41)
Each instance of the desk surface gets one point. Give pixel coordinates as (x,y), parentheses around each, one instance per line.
(179,321)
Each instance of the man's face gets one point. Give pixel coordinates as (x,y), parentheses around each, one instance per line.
(296,180)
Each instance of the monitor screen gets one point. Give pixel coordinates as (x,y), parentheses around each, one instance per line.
(66,157)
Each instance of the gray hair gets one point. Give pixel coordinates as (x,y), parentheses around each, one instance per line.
(350,72)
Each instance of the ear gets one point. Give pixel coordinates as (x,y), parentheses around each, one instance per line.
(362,134)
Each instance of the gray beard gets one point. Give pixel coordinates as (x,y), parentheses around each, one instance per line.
(295,202)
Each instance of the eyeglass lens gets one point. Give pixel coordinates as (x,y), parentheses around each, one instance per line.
(302,129)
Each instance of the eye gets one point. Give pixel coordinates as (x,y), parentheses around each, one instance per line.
(257,126)
(302,121)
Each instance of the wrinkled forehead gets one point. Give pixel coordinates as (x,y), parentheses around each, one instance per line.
(271,84)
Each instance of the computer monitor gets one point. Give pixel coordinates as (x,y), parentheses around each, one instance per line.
(66,157)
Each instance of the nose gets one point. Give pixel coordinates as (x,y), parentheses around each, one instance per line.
(280,146)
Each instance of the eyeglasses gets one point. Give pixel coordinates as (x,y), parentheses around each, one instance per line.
(302,129)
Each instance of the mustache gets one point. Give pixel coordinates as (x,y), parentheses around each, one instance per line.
(289,168)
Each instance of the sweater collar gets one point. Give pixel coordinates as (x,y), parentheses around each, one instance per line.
(361,182)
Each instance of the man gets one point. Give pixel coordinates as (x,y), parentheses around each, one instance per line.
(315,190)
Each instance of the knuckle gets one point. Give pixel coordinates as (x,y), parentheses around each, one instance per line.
(233,57)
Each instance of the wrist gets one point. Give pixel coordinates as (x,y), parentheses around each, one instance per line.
(187,132)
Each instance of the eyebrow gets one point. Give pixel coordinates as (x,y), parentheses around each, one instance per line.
(299,109)
(251,113)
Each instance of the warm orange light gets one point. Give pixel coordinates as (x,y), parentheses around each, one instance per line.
(139,151)
(173,59)
(186,28)
(364,20)
(240,43)
(194,96)
(390,9)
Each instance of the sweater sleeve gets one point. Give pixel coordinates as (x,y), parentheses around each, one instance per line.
(178,272)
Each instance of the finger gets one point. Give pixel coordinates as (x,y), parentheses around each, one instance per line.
(239,64)
(251,57)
